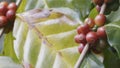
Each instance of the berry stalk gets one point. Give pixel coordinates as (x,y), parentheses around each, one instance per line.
(84,52)
(18,2)
(103,8)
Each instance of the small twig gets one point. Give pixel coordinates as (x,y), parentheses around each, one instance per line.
(1,31)
(18,2)
(103,8)
(79,62)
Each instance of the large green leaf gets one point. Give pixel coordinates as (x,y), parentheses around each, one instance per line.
(112,59)
(113,27)
(41,32)
(113,31)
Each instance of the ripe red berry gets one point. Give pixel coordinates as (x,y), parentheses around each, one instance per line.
(10,15)
(81,38)
(4,3)
(90,22)
(98,2)
(12,6)
(83,29)
(91,37)
(3,21)
(81,47)
(3,9)
(100,20)
(101,32)
(76,38)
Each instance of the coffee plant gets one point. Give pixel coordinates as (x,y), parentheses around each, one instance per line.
(59,33)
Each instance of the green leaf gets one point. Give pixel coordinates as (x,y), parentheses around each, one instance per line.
(21,29)
(8,47)
(81,6)
(31,4)
(7,62)
(32,27)
(31,48)
(92,61)
(21,8)
(66,58)
(62,40)
(93,13)
(114,16)
(113,27)
(113,31)
(46,56)
(111,60)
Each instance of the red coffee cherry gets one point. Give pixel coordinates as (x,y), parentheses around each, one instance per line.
(90,22)
(3,9)
(10,15)
(81,47)
(76,38)
(3,21)
(12,6)
(100,20)
(81,38)
(83,29)
(91,37)
(101,32)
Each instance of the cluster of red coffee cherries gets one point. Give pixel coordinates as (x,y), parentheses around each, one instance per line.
(86,32)
(7,13)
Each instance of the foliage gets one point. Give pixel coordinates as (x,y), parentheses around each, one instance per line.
(43,38)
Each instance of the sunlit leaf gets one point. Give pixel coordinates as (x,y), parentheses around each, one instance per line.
(7,62)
